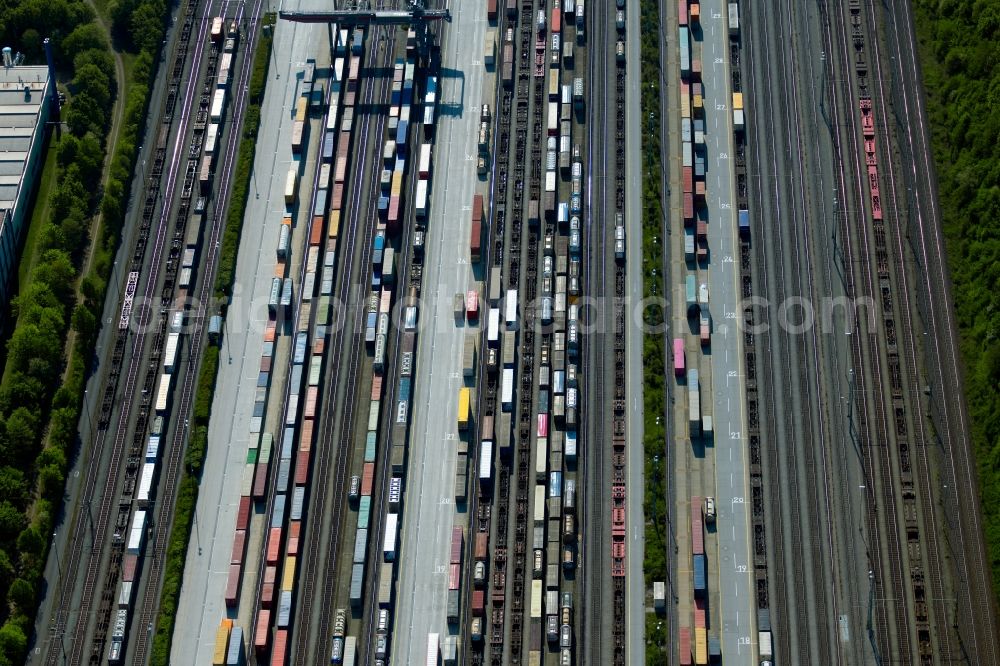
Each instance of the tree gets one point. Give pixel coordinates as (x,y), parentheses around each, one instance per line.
(30,541)
(52,481)
(13,643)
(85,115)
(92,81)
(12,521)
(147,25)
(100,58)
(84,38)
(56,270)
(22,595)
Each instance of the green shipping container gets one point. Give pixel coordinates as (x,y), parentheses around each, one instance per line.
(251,456)
(364,509)
(370,447)
(265,448)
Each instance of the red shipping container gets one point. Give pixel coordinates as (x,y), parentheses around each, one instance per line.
(260,480)
(688,206)
(543,425)
(482,543)
(688,179)
(685,635)
(699,189)
(273,545)
(337,197)
(476,240)
(457,541)
(702,232)
(306,438)
(556,19)
(685,89)
(344,143)
(243,512)
(233,584)
(367,478)
(491,10)
(279,268)
(265,363)
(129,564)
(477,207)
(267,590)
(302,460)
(454,576)
(269,331)
(316,231)
(319,346)
(682,12)
(697,530)
(239,545)
(699,613)
(376,387)
(294,532)
(262,634)
(695,12)
(478,602)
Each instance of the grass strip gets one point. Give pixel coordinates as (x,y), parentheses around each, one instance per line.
(653,346)
(187,493)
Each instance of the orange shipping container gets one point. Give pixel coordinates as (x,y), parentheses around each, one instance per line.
(279,268)
(316,231)
(262,634)
(376,387)
(267,590)
(273,545)
(367,479)
(306,439)
(287,220)
(269,331)
(280,650)
(294,530)
(310,409)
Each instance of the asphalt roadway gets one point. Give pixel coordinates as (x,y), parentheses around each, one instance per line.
(735,573)
(201,600)
(430,510)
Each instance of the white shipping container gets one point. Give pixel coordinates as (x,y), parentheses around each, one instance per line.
(425,160)
(550,181)
(163,393)
(507,389)
(153,448)
(146,483)
(421,198)
(433,649)
(170,351)
(510,305)
(211,136)
(485,462)
(136,533)
(218,104)
(569,446)
(493,327)
(541,457)
(539,507)
(391,529)
(553,122)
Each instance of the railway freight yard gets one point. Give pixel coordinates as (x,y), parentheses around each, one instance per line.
(441,363)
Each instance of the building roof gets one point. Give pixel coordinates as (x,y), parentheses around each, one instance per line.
(22,93)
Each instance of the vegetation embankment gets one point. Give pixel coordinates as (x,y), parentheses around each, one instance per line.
(40,398)
(959,49)
(187,494)
(653,346)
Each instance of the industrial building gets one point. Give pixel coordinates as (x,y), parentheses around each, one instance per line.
(24,112)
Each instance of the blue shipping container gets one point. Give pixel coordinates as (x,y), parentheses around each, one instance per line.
(278,515)
(328,147)
(404,388)
(699,575)
(401,136)
(744,222)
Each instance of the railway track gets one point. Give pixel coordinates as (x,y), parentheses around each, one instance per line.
(99,527)
(206,283)
(323,554)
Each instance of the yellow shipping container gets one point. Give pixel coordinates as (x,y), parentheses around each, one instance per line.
(221,642)
(301,108)
(737,100)
(288,574)
(397,183)
(464,398)
(700,646)
(534,658)
(536,599)
(334,223)
(697,101)
(685,107)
